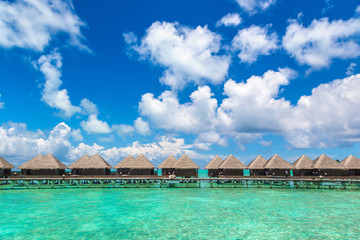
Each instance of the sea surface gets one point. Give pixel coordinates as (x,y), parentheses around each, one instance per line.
(170,213)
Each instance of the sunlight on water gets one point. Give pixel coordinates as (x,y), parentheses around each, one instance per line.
(179,213)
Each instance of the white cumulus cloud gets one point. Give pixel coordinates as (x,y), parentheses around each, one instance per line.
(93,125)
(167,113)
(253,42)
(32,23)
(253,108)
(230,19)
(188,55)
(322,41)
(142,127)
(50,66)
(20,145)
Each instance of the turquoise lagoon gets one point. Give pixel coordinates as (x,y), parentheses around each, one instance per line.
(188,213)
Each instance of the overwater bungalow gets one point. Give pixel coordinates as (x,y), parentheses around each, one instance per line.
(257,166)
(185,167)
(135,166)
(166,166)
(352,163)
(5,168)
(87,165)
(327,166)
(303,166)
(232,166)
(277,166)
(213,166)
(43,165)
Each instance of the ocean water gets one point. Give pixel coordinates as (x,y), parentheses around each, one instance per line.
(154,213)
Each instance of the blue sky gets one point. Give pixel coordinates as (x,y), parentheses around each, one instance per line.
(241,77)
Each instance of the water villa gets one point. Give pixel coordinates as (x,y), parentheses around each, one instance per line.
(257,166)
(87,165)
(213,166)
(185,167)
(43,165)
(303,166)
(277,166)
(5,168)
(352,164)
(135,166)
(166,166)
(232,166)
(326,166)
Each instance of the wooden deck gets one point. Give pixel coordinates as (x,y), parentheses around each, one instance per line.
(115,181)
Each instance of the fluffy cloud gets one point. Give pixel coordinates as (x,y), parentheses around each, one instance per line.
(156,151)
(328,115)
(253,6)
(141,126)
(254,108)
(188,55)
(20,144)
(93,125)
(254,41)
(167,113)
(31,23)
(230,19)
(50,66)
(322,41)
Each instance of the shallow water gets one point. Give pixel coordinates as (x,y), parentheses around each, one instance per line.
(179,213)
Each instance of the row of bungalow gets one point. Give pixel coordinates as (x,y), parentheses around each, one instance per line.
(96,165)
(277,166)
(185,167)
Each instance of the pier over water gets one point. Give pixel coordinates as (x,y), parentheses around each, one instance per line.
(51,182)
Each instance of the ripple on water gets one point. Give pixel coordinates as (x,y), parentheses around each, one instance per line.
(179,213)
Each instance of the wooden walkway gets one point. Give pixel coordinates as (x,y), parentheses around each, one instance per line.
(114,181)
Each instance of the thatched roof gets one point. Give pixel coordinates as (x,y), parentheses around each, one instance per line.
(258,163)
(43,162)
(276,162)
(351,162)
(325,162)
(140,162)
(184,162)
(5,164)
(167,163)
(87,162)
(303,162)
(232,162)
(214,163)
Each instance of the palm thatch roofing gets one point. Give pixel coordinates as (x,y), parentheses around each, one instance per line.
(232,162)
(214,163)
(303,162)
(184,162)
(258,163)
(5,164)
(140,162)
(276,162)
(167,163)
(351,162)
(87,162)
(43,162)
(325,162)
